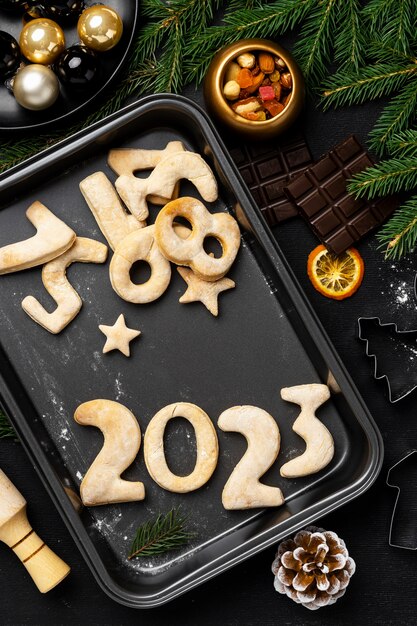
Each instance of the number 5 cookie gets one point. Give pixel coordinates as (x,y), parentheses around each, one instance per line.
(190,251)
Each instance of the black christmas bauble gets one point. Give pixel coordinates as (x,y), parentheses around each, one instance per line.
(34,12)
(78,67)
(9,55)
(11,5)
(65,11)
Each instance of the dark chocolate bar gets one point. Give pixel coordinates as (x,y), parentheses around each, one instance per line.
(336,217)
(267,169)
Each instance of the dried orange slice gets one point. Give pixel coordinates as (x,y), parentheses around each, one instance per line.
(336,277)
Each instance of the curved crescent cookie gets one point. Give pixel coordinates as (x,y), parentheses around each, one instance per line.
(139,246)
(319,442)
(163,179)
(57,285)
(126,161)
(104,203)
(243,489)
(53,237)
(102,483)
(207,448)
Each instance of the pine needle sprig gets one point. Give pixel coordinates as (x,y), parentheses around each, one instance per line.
(396,116)
(166,532)
(393,20)
(385,178)
(237,5)
(369,83)
(349,43)
(313,48)
(385,52)
(6,429)
(398,236)
(403,143)
(170,31)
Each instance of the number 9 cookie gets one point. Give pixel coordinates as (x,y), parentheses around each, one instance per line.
(190,251)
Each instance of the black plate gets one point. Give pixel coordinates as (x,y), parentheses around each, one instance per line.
(15,117)
(266,337)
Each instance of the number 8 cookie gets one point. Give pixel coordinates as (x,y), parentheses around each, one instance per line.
(191,251)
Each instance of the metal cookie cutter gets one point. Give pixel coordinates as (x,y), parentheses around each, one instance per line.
(395,355)
(403,527)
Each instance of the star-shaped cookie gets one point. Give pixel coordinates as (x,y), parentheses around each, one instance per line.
(118,336)
(202,290)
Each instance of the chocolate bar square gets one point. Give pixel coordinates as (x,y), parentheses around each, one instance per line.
(337,218)
(268,168)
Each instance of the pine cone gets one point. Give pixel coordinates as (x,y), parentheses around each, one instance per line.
(314,568)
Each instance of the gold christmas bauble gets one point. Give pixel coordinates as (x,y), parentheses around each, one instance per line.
(42,41)
(35,87)
(100,28)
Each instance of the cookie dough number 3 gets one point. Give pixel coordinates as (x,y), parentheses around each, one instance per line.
(243,489)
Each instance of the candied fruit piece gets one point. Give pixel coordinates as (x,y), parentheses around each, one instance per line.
(267,93)
(244,78)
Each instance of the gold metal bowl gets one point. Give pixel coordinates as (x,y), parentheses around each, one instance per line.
(219,107)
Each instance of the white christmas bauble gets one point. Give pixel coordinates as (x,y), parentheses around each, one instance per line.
(35,87)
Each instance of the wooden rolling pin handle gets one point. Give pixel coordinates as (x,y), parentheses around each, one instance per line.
(45,567)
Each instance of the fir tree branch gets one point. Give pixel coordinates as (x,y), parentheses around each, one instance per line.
(6,429)
(313,47)
(393,20)
(166,532)
(399,113)
(399,235)
(403,144)
(237,5)
(385,178)
(381,50)
(178,21)
(370,83)
(349,41)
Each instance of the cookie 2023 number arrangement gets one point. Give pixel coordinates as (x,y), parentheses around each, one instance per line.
(103,484)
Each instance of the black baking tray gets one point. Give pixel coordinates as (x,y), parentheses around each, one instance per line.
(266,337)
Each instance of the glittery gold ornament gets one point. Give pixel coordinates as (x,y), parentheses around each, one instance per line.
(42,41)
(35,87)
(100,28)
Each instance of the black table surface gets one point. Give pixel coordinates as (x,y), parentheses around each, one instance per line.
(383,589)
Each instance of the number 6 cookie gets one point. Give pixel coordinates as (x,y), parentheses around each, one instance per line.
(191,251)
(139,246)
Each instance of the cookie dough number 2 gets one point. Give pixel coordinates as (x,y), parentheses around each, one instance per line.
(243,489)
(102,483)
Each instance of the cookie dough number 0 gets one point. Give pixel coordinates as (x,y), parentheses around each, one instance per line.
(207,448)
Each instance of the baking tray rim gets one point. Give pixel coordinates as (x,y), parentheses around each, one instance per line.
(38,456)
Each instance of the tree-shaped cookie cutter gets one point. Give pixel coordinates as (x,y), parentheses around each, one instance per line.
(390,483)
(393,397)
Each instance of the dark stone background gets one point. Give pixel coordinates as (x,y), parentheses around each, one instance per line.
(383,590)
